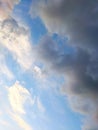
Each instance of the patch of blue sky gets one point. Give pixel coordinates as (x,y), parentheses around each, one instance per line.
(55,83)
(38,30)
(24,77)
(64,47)
(58,113)
(35,25)
(4,78)
(13,67)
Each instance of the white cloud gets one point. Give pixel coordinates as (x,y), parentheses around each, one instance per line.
(18,97)
(13,113)
(16,39)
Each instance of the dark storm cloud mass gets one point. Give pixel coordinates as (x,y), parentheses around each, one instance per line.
(78,20)
(78,65)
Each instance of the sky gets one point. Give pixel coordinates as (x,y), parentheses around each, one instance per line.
(48,64)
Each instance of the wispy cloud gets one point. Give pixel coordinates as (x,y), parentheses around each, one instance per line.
(40,105)
(4,70)
(21,122)
(19,97)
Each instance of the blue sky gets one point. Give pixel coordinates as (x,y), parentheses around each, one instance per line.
(48,65)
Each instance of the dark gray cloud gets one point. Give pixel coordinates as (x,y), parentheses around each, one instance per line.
(80,72)
(78,66)
(78,20)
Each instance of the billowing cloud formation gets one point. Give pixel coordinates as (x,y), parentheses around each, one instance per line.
(77,19)
(79,22)
(6,6)
(16,39)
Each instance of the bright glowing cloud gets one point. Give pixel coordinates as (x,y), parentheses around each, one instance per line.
(16,98)
(21,122)
(19,97)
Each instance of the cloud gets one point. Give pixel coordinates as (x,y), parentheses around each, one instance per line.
(19,97)
(77,20)
(14,102)
(80,71)
(40,105)
(6,7)
(4,70)
(37,70)
(16,39)
(21,122)
(4,123)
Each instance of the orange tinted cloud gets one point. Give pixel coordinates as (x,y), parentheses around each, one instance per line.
(6,6)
